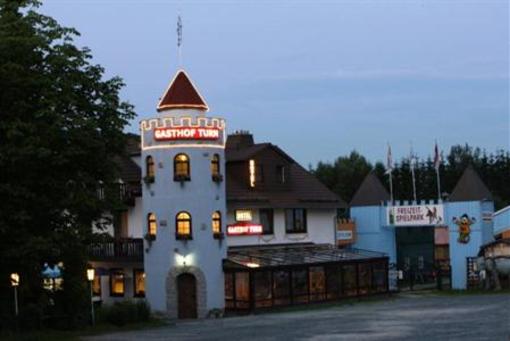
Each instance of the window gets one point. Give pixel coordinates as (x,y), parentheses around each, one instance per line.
(96,285)
(281,174)
(183,225)
(139,282)
(181,168)
(152,225)
(266,220)
(216,223)
(215,166)
(149,167)
(295,220)
(117,286)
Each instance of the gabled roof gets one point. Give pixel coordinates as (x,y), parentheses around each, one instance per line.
(470,187)
(182,94)
(371,192)
(305,189)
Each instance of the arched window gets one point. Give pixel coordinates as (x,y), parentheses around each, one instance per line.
(216,224)
(152,225)
(215,165)
(149,167)
(181,168)
(183,225)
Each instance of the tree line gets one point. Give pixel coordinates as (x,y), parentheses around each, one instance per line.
(346,173)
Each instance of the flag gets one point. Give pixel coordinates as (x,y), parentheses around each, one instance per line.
(437,157)
(389,161)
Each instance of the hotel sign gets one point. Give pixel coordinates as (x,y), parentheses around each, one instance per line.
(415,215)
(244,229)
(186,133)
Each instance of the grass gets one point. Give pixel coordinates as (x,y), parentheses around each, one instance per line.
(60,335)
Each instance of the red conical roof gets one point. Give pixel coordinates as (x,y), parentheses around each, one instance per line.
(182,94)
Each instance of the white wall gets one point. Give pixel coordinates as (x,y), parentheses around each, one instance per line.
(320,229)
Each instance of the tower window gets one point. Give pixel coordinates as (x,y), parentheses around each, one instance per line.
(215,168)
(216,224)
(181,168)
(149,166)
(152,225)
(183,225)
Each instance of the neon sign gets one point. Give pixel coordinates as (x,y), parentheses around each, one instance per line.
(244,229)
(186,133)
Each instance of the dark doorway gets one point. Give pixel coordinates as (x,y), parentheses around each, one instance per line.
(187,296)
(415,256)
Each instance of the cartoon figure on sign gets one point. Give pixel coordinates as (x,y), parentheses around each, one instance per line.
(464,223)
(433,216)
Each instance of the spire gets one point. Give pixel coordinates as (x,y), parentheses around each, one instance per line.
(470,187)
(371,192)
(182,94)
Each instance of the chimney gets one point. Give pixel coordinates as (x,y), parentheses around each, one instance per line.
(239,140)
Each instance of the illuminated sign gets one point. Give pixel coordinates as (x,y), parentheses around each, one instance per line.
(244,229)
(415,215)
(243,215)
(186,133)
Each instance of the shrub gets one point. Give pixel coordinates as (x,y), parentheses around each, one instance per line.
(125,312)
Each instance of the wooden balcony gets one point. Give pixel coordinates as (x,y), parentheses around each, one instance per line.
(127,250)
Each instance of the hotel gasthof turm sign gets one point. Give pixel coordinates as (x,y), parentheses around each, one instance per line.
(415,215)
(186,133)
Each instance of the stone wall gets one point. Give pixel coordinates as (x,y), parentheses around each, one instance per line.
(171,290)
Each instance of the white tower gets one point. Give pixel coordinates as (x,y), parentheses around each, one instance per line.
(184,203)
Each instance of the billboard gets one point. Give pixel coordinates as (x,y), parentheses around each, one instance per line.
(415,215)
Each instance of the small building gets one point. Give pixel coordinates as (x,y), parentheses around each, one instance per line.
(423,237)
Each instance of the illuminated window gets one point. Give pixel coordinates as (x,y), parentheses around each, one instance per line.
(216,223)
(183,225)
(152,225)
(215,165)
(139,282)
(252,173)
(181,168)
(149,167)
(96,285)
(117,285)
(295,220)
(243,215)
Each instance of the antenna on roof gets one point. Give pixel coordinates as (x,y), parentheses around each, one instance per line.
(179,39)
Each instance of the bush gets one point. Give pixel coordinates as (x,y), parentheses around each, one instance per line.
(125,312)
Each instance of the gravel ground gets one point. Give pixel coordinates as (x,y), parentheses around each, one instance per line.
(407,317)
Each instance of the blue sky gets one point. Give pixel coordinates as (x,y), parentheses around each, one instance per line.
(317,78)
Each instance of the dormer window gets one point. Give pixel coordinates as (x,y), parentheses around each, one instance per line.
(182,170)
(215,168)
(149,170)
(281,174)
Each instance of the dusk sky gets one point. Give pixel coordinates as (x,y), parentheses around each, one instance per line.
(317,78)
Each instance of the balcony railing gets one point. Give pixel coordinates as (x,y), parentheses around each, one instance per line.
(130,249)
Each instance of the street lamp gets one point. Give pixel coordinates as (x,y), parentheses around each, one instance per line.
(90,277)
(15,284)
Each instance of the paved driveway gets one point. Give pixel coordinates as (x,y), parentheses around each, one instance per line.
(408,317)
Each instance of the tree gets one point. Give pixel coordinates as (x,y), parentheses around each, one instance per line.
(61,125)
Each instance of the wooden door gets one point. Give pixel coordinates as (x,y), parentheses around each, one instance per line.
(187,296)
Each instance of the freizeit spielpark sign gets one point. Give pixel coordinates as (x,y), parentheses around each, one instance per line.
(186,133)
(415,215)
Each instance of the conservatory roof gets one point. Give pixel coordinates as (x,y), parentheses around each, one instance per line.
(291,255)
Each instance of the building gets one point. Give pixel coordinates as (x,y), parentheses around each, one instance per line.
(212,222)
(423,238)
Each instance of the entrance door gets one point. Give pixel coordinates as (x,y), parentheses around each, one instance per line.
(415,256)
(187,296)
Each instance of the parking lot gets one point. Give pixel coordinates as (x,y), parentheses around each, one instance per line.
(404,317)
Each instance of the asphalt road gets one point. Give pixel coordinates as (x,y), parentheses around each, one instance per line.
(408,317)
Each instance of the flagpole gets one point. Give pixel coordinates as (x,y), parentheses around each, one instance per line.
(437,163)
(438,184)
(391,187)
(389,170)
(412,163)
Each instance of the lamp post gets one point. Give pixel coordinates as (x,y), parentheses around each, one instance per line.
(90,277)
(15,284)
